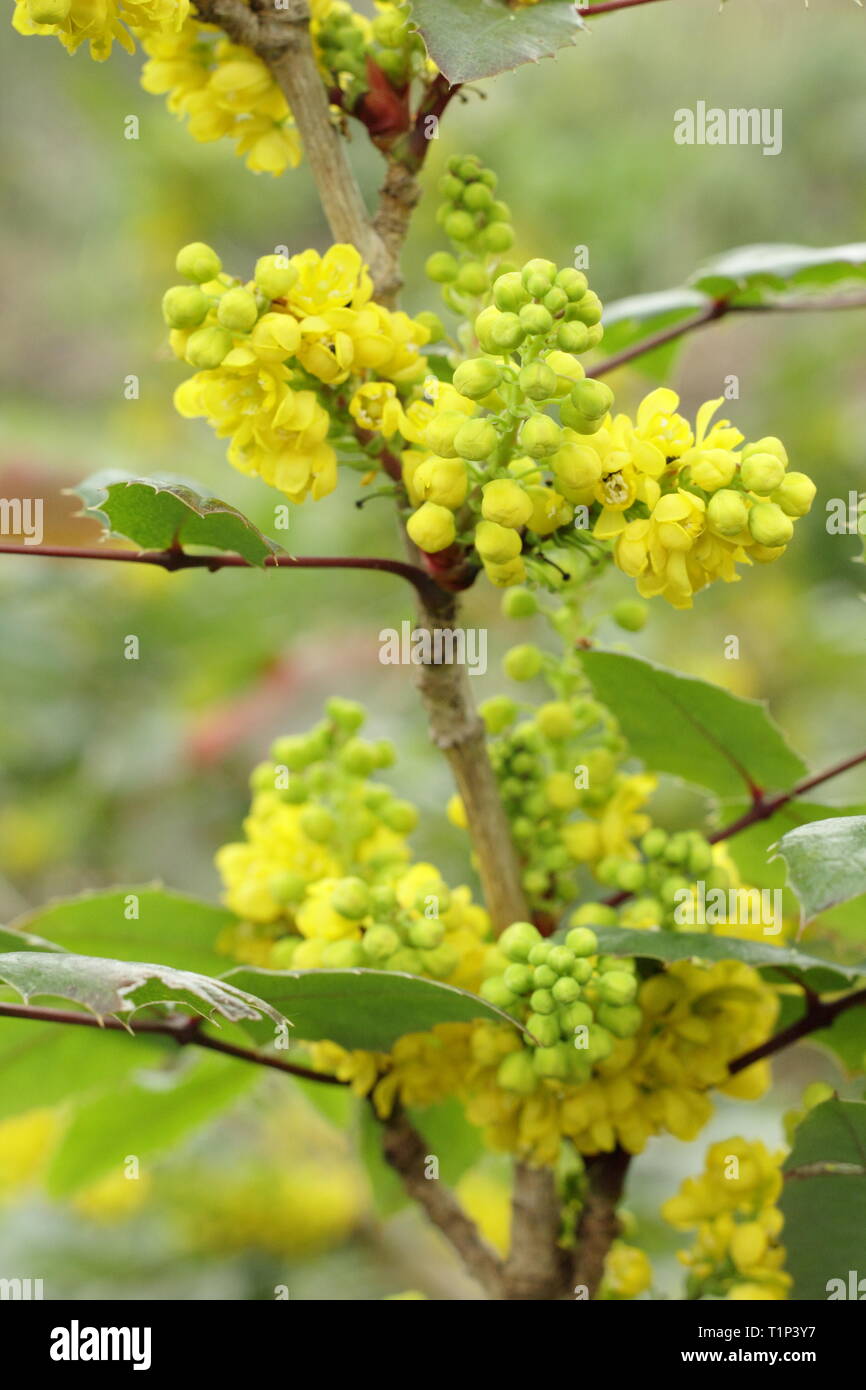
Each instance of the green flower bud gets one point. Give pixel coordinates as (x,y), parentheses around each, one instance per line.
(283,953)
(631,615)
(555,300)
(561,960)
(552,1062)
(544,977)
(582,941)
(540,436)
(541,1000)
(476,440)
(426,935)
(520,979)
(556,720)
(795,494)
(713,469)
(727,512)
(769,445)
(670,889)
(519,603)
(184,306)
(347,714)
(459,226)
(617,987)
(577,1015)
(538,381)
(318,824)
(535,319)
(592,398)
(544,1028)
(572,337)
(477,197)
(535,882)
(207,347)
(574,282)
(434,325)
(522,663)
(678,848)
(631,878)
(441,432)
(509,292)
(275,276)
(287,888)
(494,990)
(498,712)
(769,525)
(477,378)
(622,1020)
(700,859)
(294,751)
(198,262)
(539,272)
(472,278)
(380,942)
(654,842)
(588,309)
(518,940)
(566,991)
(442,961)
(506,332)
(762,473)
(237,311)
(358,757)
(517,1073)
(600,1044)
(582,971)
(405,960)
(400,816)
(351,898)
(343,955)
(441,267)
(451,188)
(496,237)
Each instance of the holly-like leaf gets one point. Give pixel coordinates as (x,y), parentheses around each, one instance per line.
(115,988)
(778,963)
(692,729)
(172,514)
(134,923)
(826,862)
(470,39)
(824,1202)
(368,1009)
(142,1118)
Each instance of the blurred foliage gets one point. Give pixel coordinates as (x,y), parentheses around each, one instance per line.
(116,771)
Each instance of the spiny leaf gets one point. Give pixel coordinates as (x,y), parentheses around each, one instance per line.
(170,514)
(116,988)
(690,728)
(470,39)
(826,862)
(357,1008)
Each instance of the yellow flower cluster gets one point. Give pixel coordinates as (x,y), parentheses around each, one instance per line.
(100,23)
(627,1271)
(272,349)
(732,1206)
(696,1018)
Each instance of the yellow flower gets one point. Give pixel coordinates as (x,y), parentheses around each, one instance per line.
(627,1270)
(431,527)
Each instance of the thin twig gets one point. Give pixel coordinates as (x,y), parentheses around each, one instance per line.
(819,1014)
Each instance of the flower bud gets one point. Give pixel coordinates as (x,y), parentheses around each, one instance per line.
(631,615)
(555,300)
(433,324)
(351,898)
(477,378)
(577,469)
(237,311)
(762,473)
(198,262)
(713,469)
(535,319)
(517,1073)
(275,337)
(622,1020)
(769,445)
(572,337)
(509,292)
(552,1062)
(727,512)
(541,1001)
(442,480)
(556,720)
(496,544)
(582,941)
(587,310)
(617,987)
(459,226)
(494,990)
(538,275)
(207,347)
(505,502)
(519,978)
(184,306)
(318,824)
(496,237)
(432,527)
(537,381)
(574,282)
(476,439)
(477,197)
(523,663)
(544,1029)
(275,276)
(498,712)
(540,436)
(347,714)
(654,842)
(592,398)
(566,991)
(795,494)
(472,278)
(440,433)
(441,267)
(379,942)
(506,332)
(769,525)
(519,603)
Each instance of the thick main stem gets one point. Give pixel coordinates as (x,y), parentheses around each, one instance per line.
(538,1267)
(599,1225)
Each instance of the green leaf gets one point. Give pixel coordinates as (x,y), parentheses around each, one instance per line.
(171,513)
(135,923)
(688,727)
(42,1064)
(113,987)
(826,862)
(759,274)
(469,39)
(627,321)
(824,1201)
(846,1039)
(368,1009)
(389,1194)
(143,1118)
(667,946)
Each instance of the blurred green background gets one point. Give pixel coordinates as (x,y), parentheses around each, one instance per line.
(120,771)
